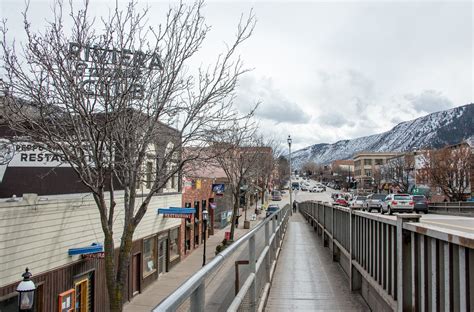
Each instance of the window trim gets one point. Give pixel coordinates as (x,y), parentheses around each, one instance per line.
(145,273)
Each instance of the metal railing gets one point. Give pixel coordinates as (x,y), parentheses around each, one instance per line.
(409,265)
(252,293)
(457,208)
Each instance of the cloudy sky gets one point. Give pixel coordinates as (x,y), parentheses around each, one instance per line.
(326,71)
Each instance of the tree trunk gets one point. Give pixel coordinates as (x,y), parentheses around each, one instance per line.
(116,277)
(234,216)
(114,292)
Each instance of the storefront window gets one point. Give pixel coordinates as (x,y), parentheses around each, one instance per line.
(174,244)
(149,255)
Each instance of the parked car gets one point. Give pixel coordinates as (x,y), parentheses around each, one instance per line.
(276,195)
(304,188)
(341,202)
(374,201)
(421,203)
(295,186)
(317,189)
(357,202)
(397,203)
(271,209)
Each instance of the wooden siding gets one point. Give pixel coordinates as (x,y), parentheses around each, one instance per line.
(38,236)
(59,280)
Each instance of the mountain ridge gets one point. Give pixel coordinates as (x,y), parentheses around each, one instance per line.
(431,131)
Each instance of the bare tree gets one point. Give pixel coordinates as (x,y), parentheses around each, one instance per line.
(449,169)
(398,171)
(239,155)
(310,168)
(283,169)
(107,92)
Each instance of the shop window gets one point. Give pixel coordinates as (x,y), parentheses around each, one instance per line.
(149,256)
(198,211)
(9,303)
(84,288)
(174,244)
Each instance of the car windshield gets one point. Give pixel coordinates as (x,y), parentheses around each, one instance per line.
(402,197)
(361,198)
(276,193)
(272,208)
(418,197)
(378,196)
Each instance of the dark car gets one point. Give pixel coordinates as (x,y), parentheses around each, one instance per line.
(271,209)
(421,203)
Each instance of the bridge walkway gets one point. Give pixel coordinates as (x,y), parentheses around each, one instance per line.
(306,278)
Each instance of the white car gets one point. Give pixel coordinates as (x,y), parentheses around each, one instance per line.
(357,202)
(317,189)
(397,203)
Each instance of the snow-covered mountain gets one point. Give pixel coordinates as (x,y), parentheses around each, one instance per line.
(432,131)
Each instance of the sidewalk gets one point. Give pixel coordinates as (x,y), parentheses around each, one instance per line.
(167,283)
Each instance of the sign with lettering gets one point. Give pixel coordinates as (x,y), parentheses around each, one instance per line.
(218,189)
(103,72)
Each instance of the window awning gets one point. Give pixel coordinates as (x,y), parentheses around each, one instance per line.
(177,212)
(94,248)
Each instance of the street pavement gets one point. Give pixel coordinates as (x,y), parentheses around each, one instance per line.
(448,222)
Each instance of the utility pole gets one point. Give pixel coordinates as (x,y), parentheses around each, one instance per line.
(291,186)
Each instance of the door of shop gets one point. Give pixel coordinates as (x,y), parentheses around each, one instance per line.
(135,274)
(162,255)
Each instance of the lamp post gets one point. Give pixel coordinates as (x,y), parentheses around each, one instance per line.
(291,185)
(26,289)
(204,222)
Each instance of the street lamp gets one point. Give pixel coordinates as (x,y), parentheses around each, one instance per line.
(291,186)
(204,220)
(26,289)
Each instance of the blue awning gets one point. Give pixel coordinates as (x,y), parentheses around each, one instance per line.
(176,212)
(94,248)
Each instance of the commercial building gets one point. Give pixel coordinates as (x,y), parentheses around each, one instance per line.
(367,167)
(50,224)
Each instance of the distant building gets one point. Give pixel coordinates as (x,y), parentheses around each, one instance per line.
(367,167)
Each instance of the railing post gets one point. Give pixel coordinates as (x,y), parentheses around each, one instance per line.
(198,299)
(270,251)
(355,276)
(253,269)
(404,264)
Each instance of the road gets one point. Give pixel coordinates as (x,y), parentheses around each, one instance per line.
(458,223)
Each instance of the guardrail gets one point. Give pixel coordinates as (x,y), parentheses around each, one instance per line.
(252,293)
(398,264)
(456,208)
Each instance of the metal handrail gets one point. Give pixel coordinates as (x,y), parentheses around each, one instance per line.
(186,290)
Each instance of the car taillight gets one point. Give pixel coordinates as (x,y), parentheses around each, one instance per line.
(394,202)
(412,203)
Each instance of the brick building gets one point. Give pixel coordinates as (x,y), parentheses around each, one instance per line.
(198,194)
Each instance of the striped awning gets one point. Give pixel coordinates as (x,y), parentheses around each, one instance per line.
(177,212)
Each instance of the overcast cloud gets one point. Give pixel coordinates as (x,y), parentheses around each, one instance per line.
(326,71)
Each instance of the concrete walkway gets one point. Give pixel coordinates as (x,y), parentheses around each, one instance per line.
(306,278)
(167,283)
